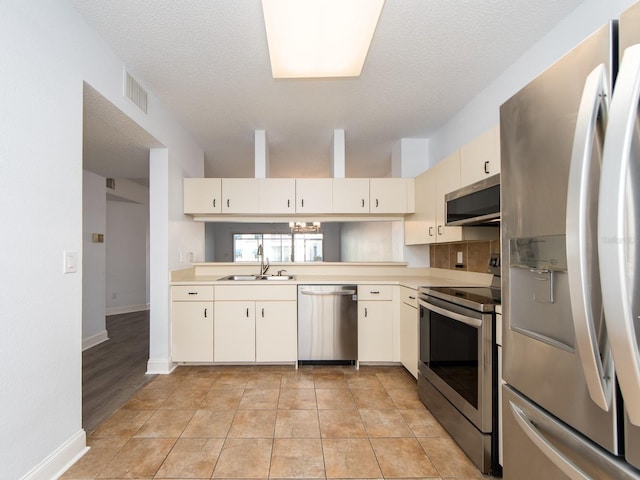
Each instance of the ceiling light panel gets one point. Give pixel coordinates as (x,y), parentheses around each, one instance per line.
(319,38)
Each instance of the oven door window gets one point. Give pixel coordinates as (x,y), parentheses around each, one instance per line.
(453,354)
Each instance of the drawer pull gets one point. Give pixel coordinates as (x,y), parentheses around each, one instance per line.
(374,292)
(193,293)
(411,297)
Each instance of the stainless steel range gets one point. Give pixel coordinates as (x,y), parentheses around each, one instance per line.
(457,368)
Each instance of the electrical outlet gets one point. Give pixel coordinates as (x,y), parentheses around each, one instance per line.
(459,259)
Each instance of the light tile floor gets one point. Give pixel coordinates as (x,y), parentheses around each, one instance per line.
(264,422)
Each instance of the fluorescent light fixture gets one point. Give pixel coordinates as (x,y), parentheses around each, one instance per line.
(319,38)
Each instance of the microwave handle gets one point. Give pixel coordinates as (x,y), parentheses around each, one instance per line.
(472,322)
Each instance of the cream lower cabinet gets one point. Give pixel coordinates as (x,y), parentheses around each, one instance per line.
(409,339)
(192,317)
(276,331)
(255,323)
(234,332)
(375,323)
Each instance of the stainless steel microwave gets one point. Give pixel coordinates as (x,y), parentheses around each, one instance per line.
(475,204)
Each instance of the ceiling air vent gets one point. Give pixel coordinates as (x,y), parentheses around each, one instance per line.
(135,92)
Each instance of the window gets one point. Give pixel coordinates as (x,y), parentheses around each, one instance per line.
(278,247)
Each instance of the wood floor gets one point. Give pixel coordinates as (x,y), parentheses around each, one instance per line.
(114,371)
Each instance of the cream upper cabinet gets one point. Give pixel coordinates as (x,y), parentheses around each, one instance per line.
(239,195)
(447,179)
(351,195)
(314,195)
(388,195)
(480,158)
(277,195)
(202,195)
(420,227)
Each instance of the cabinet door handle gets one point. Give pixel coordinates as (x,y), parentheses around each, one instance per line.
(365,312)
(486,166)
(363,203)
(439,229)
(205,313)
(376,203)
(247,312)
(263,313)
(431,231)
(288,203)
(193,293)
(228,203)
(214,203)
(302,203)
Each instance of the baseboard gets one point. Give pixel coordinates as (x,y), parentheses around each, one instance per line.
(59,461)
(160,366)
(126,309)
(94,340)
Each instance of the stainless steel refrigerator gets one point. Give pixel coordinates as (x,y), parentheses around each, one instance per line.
(570,186)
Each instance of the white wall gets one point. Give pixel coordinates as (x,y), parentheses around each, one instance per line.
(372,242)
(47,52)
(126,244)
(93,260)
(483,111)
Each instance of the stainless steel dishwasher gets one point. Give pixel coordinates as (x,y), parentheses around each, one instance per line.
(327,324)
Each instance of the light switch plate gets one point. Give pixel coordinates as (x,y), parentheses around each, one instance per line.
(70,262)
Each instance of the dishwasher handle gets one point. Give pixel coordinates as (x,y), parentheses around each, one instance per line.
(324,292)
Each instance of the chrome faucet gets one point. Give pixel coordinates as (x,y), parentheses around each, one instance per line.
(263,267)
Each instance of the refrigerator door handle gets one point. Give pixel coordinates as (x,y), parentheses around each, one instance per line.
(584,288)
(558,459)
(614,238)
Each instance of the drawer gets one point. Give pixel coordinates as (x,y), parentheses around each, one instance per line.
(409,296)
(180,293)
(256,292)
(375,292)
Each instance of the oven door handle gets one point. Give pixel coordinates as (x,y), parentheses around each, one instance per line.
(472,322)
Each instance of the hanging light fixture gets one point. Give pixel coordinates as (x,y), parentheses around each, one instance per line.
(319,38)
(304,227)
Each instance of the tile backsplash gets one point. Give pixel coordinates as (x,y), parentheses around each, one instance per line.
(475,255)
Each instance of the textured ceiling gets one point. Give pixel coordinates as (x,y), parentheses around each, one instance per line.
(208,62)
(113,145)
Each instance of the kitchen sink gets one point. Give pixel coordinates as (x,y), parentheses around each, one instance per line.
(241,277)
(257,277)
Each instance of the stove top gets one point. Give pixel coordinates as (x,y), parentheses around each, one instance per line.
(483,299)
